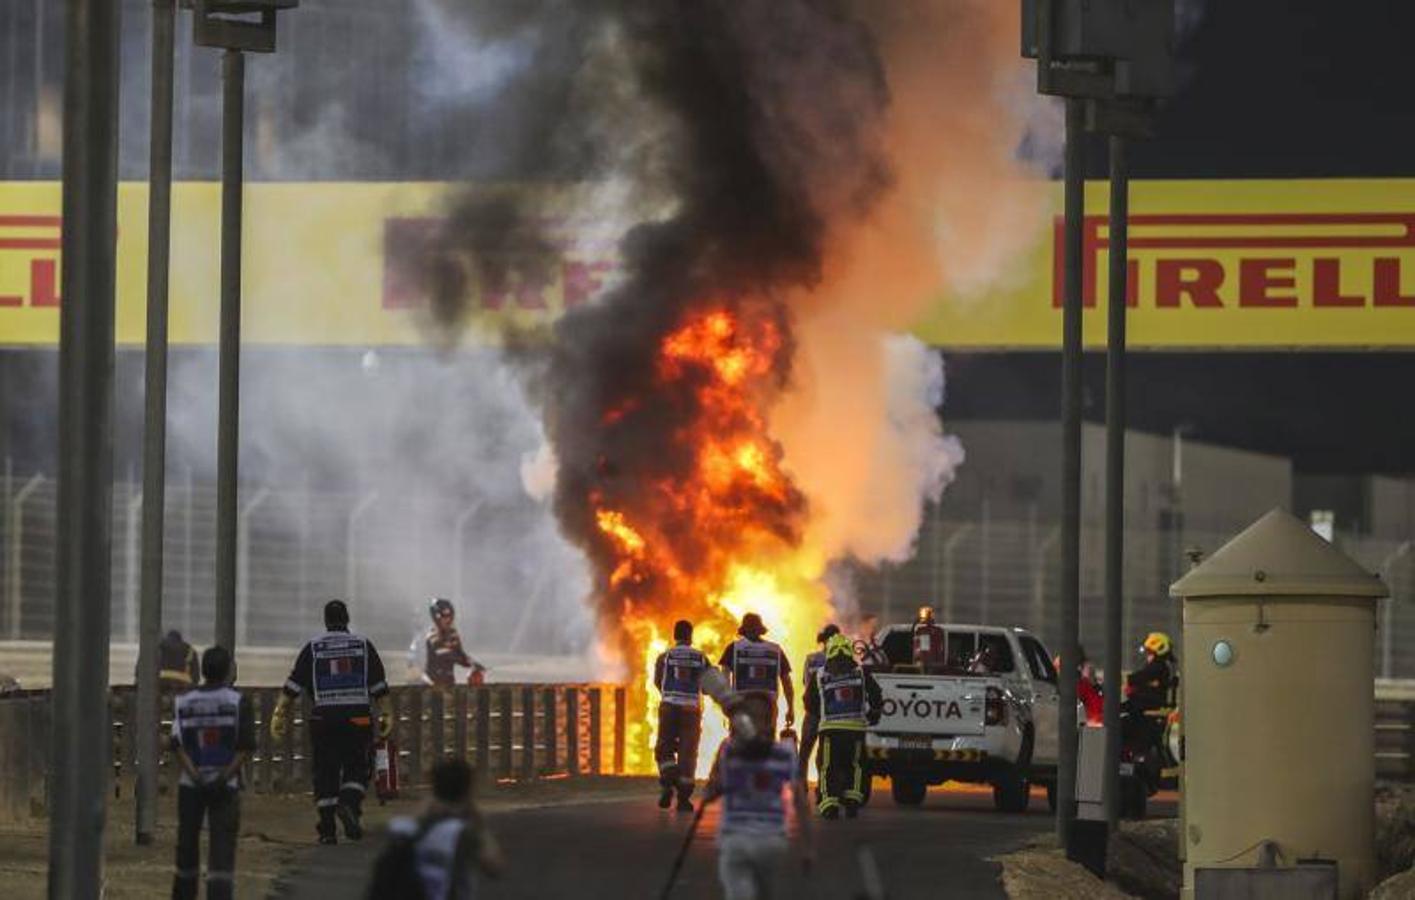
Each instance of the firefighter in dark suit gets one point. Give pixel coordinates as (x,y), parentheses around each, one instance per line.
(847,700)
(343,676)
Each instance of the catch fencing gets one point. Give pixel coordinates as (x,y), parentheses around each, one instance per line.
(509,732)
(1008,572)
(297,547)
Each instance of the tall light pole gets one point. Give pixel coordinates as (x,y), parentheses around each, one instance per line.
(154,468)
(234,26)
(1110,59)
(82,732)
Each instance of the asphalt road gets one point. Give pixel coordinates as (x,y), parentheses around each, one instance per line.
(624,849)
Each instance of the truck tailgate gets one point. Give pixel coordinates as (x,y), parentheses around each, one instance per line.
(931,704)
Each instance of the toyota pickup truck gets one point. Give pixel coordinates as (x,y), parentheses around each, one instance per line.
(988,716)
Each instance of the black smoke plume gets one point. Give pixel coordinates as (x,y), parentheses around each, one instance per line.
(749,126)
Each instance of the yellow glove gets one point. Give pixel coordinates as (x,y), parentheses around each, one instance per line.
(385,716)
(280,718)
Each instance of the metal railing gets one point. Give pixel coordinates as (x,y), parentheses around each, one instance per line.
(509,732)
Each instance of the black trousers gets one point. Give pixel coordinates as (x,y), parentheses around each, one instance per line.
(223,811)
(676,751)
(838,761)
(810,729)
(342,751)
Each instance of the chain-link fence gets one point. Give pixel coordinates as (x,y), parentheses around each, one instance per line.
(298,547)
(1007,572)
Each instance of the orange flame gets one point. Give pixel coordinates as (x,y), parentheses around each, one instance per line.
(723,537)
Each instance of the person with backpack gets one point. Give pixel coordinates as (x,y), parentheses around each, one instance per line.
(437,855)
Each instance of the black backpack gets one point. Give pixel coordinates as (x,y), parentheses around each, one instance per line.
(395,871)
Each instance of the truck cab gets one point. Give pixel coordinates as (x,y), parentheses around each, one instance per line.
(987,715)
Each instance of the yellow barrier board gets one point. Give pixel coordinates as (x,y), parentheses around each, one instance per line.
(1218,264)
(1212,264)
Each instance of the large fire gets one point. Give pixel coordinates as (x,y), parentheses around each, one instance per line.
(720,537)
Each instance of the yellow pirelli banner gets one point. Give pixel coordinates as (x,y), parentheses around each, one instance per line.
(1213,264)
(324,263)
(1218,264)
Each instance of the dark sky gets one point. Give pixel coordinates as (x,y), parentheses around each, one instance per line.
(1274,88)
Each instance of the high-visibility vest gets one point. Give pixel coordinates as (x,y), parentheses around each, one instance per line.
(340,670)
(752,789)
(207,721)
(683,669)
(755,666)
(842,699)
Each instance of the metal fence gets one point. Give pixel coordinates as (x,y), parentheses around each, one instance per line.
(515,732)
(295,549)
(1007,572)
(298,546)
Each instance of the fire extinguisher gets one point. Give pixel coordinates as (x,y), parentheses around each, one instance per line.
(385,769)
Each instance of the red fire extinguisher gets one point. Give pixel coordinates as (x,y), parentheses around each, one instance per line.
(385,769)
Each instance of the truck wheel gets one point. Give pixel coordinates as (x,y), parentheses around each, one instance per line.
(908,791)
(1010,792)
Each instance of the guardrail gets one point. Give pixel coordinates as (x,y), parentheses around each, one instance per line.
(508,731)
(1395,739)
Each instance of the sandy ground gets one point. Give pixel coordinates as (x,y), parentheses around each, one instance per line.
(1141,861)
(273,831)
(1144,862)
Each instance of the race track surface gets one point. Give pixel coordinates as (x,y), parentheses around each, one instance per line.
(625,849)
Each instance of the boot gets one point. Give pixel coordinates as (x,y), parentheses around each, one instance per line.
(665,797)
(328,833)
(852,808)
(349,816)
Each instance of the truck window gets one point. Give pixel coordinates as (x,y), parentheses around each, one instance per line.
(960,649)
(1001,647)
(898,646)
(1037,660)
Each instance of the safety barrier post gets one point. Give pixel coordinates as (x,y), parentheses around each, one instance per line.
(266,744)
(528,733)
(437,745)
(484,732)
(621,698)
(459,722)
(552,736)
(572,730)
(506,765)
(287,760)
(415,739)
(595,735)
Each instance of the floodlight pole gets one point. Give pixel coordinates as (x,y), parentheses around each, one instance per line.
(154,489)
(1115,467)
(1075,202)
(1111,60)
(233,71)
(234,26)
(81,734)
